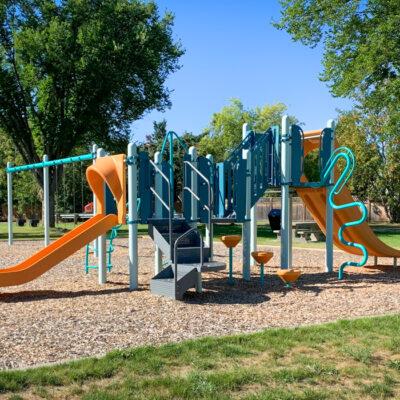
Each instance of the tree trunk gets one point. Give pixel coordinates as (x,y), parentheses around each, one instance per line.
(53,182)
(394,213)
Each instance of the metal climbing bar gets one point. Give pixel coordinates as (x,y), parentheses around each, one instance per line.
(51,163)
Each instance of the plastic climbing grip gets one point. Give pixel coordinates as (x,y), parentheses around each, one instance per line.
(344,153)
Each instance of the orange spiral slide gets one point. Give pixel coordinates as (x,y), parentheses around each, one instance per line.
(106,170)
(315,201)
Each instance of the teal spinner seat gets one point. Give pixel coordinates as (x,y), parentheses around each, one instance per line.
(110,249)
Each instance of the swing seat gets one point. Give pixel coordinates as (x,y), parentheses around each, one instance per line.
(90,250)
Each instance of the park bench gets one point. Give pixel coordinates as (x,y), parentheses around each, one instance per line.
(308,231)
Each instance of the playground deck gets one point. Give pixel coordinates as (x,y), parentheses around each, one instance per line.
(67,315)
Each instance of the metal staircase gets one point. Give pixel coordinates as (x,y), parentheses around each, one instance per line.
(187,258)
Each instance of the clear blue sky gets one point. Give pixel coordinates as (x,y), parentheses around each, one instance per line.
(232,50)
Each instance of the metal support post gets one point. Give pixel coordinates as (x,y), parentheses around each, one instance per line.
(133,215)
(101,241)
(94,151)
(230,276)
(158,185)
(286,220)
(46,202)
(246,230)
(193,179)
(329,208)
(10,205)
(210,229)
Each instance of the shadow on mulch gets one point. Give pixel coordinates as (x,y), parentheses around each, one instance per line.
(37,295)
(217,290)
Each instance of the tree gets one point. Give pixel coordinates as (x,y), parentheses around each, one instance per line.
(73,72)
(225,130)
(361,47)
(377,173)
(361,61)
(26,191)
(154,140)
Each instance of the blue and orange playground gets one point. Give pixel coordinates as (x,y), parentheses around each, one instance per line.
(134,189)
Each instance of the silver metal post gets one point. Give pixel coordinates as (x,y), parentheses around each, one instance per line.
(133,216)
(10,205)
(46,202)
(193,179)
(158,187)
(286,220)
(246,229)
(329,208)
(94,151)
(210,227)
(102,252)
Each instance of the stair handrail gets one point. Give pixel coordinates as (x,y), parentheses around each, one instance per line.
(209,207)
(167,206)
(176,252)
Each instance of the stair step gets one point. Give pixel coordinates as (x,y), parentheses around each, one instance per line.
(207,266)
(164,284)
(191,239)
(179,226)
(187,255)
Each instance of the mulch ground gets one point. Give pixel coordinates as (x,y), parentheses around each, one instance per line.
(66,315)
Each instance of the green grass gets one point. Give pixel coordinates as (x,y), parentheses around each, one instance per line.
(344,360)
(387,233)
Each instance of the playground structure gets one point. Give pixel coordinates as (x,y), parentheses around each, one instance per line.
(211,193)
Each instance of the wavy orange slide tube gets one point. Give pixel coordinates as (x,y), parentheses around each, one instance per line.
(109,170)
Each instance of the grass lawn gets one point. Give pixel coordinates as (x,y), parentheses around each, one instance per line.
(357,359)
(387,233)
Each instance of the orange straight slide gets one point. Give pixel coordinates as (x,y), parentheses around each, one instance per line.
(315,201)
(107,170)
(65,246)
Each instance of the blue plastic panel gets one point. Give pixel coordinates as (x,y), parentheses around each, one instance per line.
(219,190)
(205,166)
(186,196)
(146,174)
(275,172)
(297,154)
(240,190)
(325,149)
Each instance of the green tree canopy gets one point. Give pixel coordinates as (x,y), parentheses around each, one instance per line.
(73,72)
(377,173)
(361,61)
(225,130)
(361,42)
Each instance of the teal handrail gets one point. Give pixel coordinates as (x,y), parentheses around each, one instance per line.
(346,154)
(52,163)
(169,137)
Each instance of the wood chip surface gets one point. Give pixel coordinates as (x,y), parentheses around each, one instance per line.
(66,315)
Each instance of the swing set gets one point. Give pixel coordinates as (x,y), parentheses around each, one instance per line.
(67,213)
